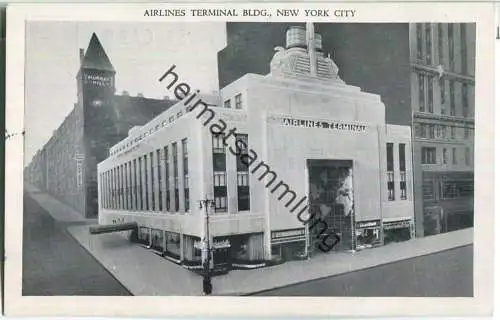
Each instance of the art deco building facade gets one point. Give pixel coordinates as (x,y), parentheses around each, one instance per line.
(66,166)
(424,74)
(312,159)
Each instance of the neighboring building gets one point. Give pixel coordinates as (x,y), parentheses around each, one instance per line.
(66,165)
(308,157)
(443,79)
(386,59)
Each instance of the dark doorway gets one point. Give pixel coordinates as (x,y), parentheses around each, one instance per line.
(331,203)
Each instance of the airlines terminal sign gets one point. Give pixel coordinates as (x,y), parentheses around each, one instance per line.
(330,125)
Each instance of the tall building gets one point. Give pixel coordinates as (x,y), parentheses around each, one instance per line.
(442,95)
(424,74)
(66,166)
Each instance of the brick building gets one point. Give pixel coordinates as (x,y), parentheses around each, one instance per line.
(424,74)
(66,166)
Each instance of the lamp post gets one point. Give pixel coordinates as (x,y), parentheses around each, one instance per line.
(207,280)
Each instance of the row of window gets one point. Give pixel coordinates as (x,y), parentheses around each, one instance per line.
(445,32)
(429,156)
(440,131)
(238,104)
(220,174)
(448,91)
(138,184)
(402,172)
(434,189)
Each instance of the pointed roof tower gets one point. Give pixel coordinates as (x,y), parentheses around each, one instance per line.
(96,57)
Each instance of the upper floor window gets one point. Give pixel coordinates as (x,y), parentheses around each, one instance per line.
(237,101)
(428,43)
(227,103)
(402,171)
(390,171)
(451,46)
(463,47)
(428,155)
(420,41)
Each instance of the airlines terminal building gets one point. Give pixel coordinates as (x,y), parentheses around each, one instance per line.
(276,153)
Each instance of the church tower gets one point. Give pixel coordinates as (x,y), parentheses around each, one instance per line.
(96,92)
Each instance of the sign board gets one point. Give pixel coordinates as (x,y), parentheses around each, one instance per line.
(216,245)
(330,125)
(289,235)
(369,224)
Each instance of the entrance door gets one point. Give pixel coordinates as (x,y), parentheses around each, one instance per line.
(331,201)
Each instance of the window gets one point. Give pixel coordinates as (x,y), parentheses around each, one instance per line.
(420,41)
(467,156)
(237,101)
(465,100)
(140,184)
(242,176)
(430,94)
(444,132)
(452,98)
(463,47)
(428,189)
(442,91)
(219,171)
(167,178)
(428,155)
(146,183)
(176,177)
(466,133)
(432,131)
(451,47)
(186,174)
(390,171)
(428,43)
(421,92)
(227,103)
(452,132)
(402,171)
(440,43)
(153,184)
(445,156)
(158,174)
(454,156)
(135,184)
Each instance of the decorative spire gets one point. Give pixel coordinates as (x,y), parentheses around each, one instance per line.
(311,47)
(96,57)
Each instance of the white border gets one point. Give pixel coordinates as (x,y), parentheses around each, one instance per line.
(481,304)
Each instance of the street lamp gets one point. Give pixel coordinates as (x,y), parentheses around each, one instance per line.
(207,280)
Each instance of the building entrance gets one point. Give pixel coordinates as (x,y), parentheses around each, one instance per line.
(331,204)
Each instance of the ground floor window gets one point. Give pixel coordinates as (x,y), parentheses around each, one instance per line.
(157,240)
(173,240)
(143,235)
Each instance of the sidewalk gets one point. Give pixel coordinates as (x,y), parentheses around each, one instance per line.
(145,273)
(55,208)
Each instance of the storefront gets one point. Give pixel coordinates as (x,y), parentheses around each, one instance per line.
(368,234)
(288,244)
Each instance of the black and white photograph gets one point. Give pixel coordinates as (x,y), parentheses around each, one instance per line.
(220,158)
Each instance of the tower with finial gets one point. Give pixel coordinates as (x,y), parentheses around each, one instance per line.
(96,92)
(303,57)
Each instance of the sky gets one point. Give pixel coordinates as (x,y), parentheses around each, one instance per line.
(139,52)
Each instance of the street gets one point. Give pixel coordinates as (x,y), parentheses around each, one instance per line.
(444,274)
(55,264)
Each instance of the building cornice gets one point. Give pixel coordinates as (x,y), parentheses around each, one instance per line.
(435,70)
(443,118)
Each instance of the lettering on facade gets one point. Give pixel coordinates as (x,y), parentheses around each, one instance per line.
(368,224)
(288,235)
(335,125)
(216,245)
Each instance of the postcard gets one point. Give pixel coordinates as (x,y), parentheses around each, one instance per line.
(249,159)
